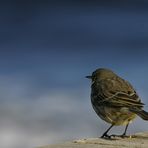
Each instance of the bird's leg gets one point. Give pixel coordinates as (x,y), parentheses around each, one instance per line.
(105,135)
(123,135)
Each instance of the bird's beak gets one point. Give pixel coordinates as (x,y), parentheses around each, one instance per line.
(88,77)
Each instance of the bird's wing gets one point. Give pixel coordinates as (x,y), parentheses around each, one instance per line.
(118,92)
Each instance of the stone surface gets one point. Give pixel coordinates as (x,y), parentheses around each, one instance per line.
(139,140)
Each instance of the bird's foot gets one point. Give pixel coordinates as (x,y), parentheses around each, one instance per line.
(106,136)
(119,136)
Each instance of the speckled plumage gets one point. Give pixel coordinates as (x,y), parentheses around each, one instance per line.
(114,99)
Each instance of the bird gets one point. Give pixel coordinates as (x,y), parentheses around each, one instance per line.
(115,100)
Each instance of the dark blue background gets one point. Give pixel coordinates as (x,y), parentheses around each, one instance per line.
(46,50)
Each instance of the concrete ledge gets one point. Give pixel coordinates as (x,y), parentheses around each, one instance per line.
(139,140)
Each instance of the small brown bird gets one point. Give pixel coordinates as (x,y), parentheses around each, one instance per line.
(114,100)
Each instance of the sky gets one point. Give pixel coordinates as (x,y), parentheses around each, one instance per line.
(46,50)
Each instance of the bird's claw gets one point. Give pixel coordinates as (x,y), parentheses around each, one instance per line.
(106,136)
(119,136)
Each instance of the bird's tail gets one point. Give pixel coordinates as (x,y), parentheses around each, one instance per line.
(141,113)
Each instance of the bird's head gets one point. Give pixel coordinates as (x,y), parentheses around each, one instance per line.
(101,73)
